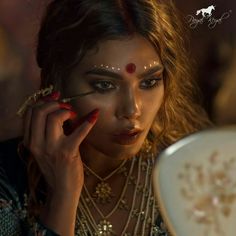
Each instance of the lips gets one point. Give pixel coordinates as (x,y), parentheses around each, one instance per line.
(127,137)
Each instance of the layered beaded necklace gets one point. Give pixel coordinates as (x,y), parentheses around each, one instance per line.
(142,209)
(103,193)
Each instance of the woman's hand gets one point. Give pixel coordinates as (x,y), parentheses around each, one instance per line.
(56,150)
(57,155)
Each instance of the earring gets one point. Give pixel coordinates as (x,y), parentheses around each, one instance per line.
(33,98)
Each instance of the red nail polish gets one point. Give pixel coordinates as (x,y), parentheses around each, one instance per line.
(52,97)
(55,95)
(73,114)
(65,106)
(92,116)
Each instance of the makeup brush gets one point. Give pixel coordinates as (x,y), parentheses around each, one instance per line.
(44,92)
(68,125)
(76,96)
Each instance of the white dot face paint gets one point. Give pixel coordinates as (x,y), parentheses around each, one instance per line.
(117,68)
(150,65)
(124,99)
(108,67)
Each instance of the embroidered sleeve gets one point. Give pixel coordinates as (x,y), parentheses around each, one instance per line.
(13,222)
(9,221)
(13,214)
(40,230)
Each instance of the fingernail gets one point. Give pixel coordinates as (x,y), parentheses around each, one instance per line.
(73,114)
(55,95)
(52,97)
(92,116)
(65,106)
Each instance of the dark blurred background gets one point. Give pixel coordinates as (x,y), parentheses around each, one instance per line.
(213,50)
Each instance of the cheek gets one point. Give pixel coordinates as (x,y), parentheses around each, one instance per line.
(152,104)
(86,105)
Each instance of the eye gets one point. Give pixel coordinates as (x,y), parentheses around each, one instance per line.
(103,86)
(151,83)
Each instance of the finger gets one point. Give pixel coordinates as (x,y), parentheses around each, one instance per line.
(28,116)
(82,131)
(54,96)
(54,125)
(38,122)
(27,123)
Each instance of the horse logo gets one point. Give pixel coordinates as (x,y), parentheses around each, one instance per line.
(206,17)
(206,12)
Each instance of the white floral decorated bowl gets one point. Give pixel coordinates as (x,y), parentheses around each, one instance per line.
(195,184)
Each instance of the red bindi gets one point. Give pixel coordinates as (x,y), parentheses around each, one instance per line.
(130,68)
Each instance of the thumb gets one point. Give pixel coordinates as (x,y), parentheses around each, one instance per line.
(84,128)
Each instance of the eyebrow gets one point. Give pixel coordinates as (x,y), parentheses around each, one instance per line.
(157,68)
(104,72)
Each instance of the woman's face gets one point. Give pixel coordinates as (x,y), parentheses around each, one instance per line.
(127,77)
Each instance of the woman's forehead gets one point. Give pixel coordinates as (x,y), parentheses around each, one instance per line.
(122,55)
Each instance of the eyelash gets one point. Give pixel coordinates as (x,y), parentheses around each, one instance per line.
(157,82)
(99,89)
(95,84)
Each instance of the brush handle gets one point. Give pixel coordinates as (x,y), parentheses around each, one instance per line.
(76,96)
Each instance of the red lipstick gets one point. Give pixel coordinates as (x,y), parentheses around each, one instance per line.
(127,137)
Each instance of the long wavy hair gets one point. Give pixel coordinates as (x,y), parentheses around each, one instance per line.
(72,27)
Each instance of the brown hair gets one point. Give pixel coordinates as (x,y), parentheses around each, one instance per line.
(72,27)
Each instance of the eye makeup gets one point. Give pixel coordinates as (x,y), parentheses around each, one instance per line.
(68,99)
(103,86)
(107,85)
(151,83)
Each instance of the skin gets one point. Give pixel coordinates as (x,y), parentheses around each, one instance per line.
(128,104)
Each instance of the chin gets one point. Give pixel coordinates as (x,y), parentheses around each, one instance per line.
(122,151)
(115,150)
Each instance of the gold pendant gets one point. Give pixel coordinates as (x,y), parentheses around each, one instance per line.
(103,193)
(105,228)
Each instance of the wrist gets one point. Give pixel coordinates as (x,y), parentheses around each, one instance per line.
(63,199)
(64,195)
(60,208)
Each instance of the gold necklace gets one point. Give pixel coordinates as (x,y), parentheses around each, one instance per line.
(103,191)
(143,210)
(104,227)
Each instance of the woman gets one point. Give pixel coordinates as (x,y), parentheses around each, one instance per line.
(89,161)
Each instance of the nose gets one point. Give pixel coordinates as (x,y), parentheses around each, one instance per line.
(130,105)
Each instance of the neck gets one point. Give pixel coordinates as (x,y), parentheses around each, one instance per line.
(100,163)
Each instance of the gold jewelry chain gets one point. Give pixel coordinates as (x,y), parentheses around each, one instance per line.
(107,177)
(103,192)
(145,215)
(142,207)
(99,229)
(133,200)
(118,202)
(86,212)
